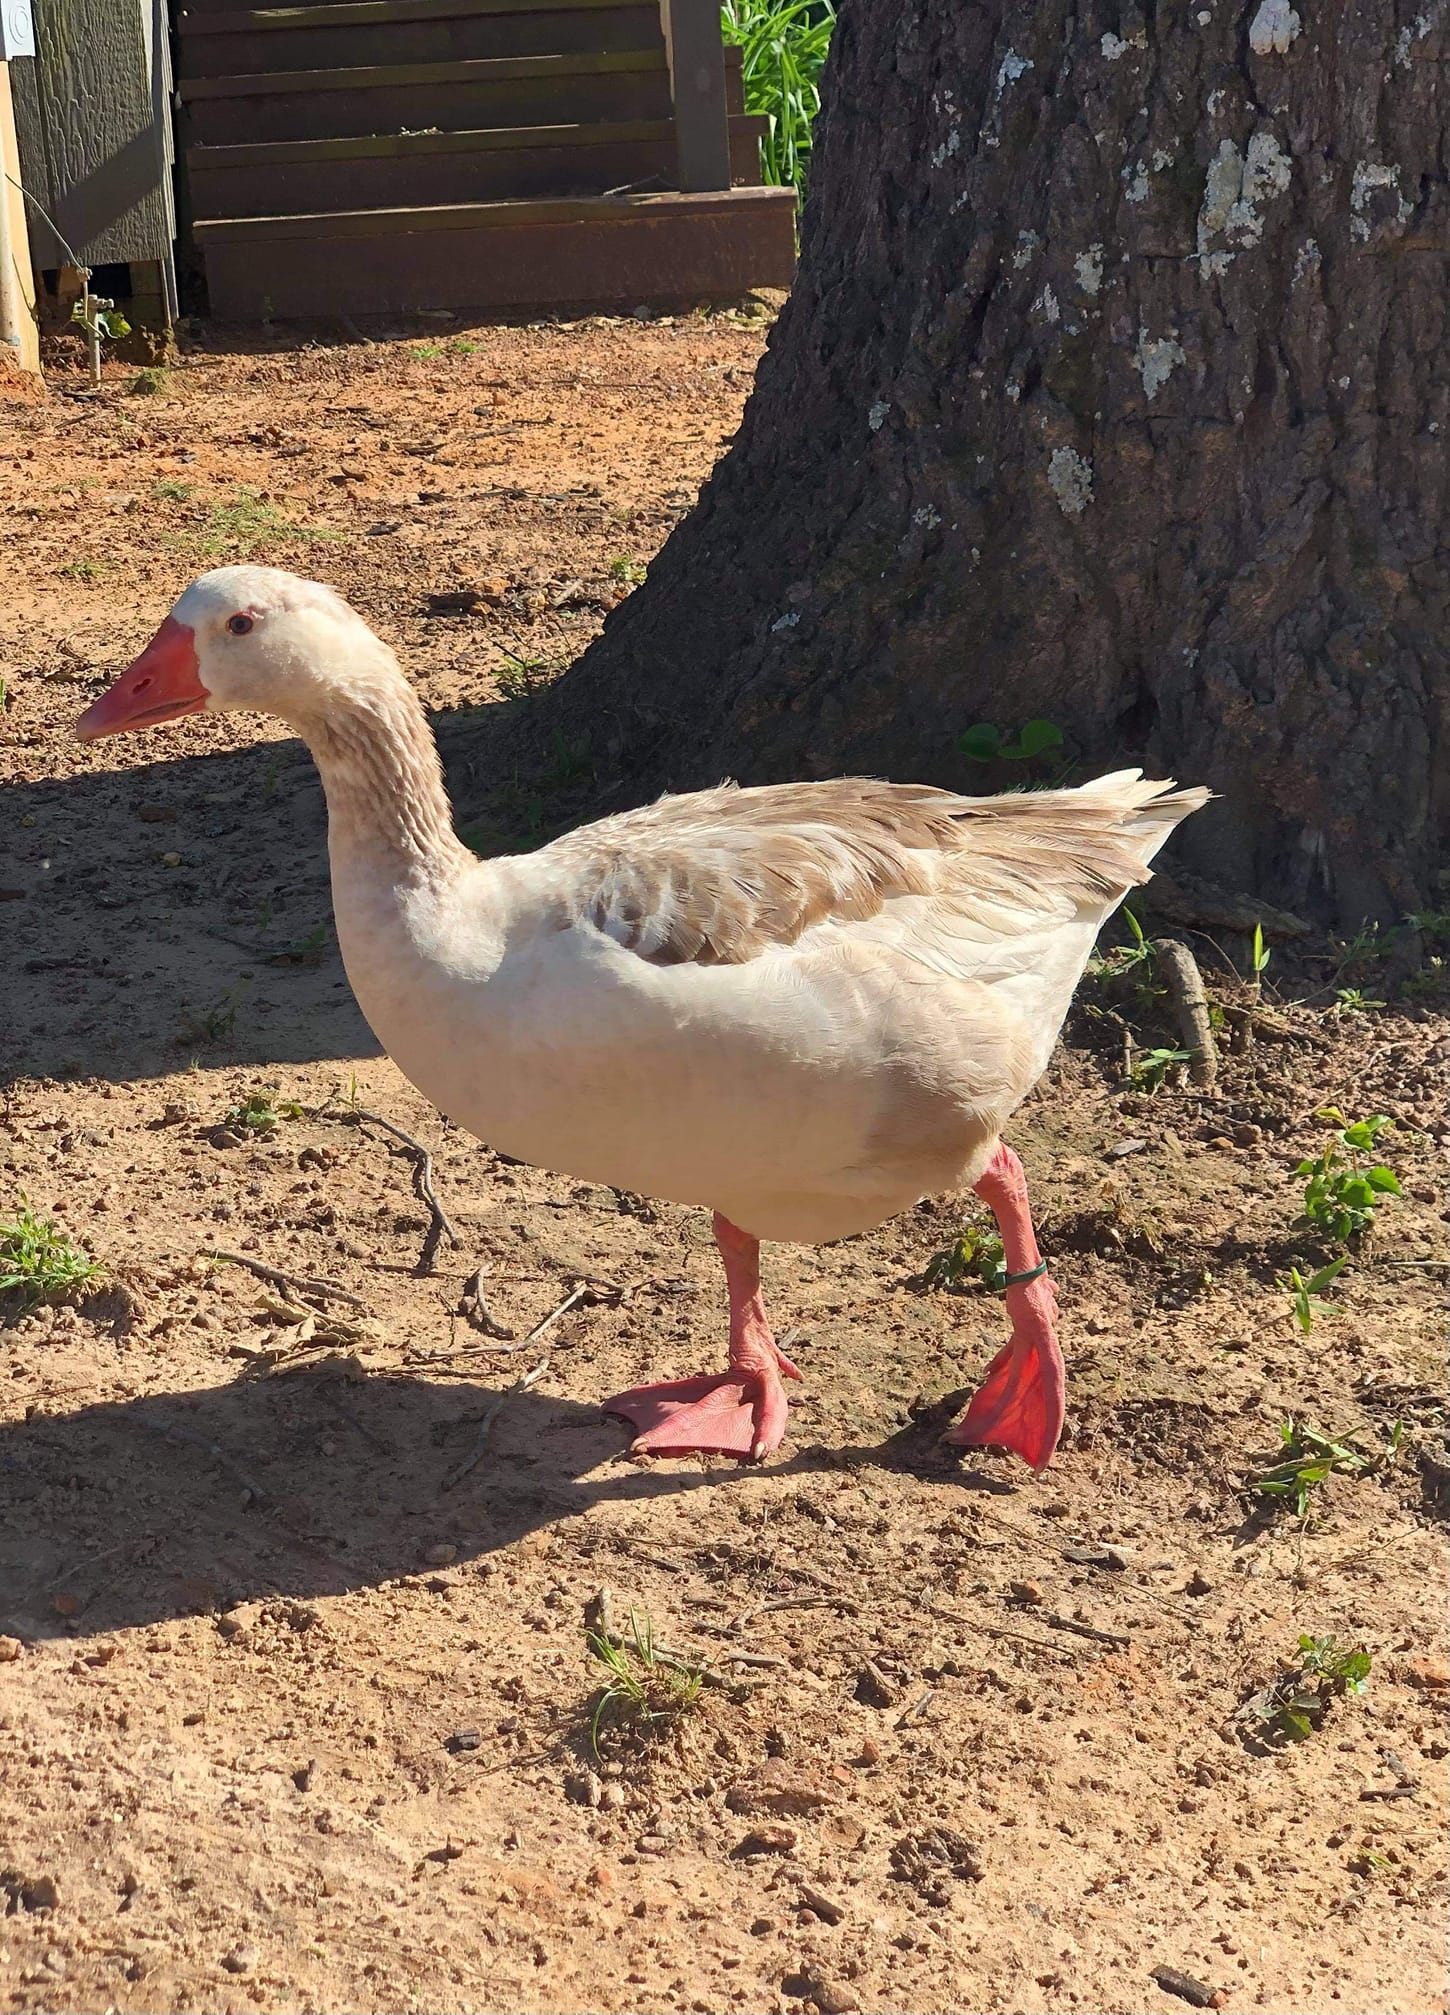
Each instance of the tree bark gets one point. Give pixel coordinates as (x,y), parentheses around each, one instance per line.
(1112,390)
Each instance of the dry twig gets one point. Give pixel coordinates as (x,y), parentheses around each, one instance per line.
(1115,1638)
(575,1295)
(841,1602)
(476,1312)
(441,1226)
(289,1283)
(521,1384)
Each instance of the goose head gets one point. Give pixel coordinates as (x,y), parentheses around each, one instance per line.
(246,639)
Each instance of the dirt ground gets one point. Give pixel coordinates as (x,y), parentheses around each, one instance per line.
(295,1716)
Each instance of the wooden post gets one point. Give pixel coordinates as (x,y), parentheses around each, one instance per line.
(697,86)
(19,332)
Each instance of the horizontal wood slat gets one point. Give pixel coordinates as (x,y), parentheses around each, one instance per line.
(527,91)
(316,38)
(445,218)
(223,18)
(389,76)
(390,171)
(603,251)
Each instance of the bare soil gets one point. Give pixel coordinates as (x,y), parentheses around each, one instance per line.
(285,1721)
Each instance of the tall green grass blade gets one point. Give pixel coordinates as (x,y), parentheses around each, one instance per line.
(783,44)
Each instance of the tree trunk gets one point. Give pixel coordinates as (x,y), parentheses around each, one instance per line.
(1112,390)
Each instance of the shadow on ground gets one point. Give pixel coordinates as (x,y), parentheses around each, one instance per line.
(182,1503)
(182,909)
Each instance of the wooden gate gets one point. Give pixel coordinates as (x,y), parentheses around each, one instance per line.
(364,156)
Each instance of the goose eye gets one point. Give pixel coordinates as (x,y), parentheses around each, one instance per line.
(239,625)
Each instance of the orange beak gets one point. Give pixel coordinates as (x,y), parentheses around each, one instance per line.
(162,685)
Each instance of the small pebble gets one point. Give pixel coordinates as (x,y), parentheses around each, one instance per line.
(766,1839)
(241,1959)
(583,1787)
(1027,1591)
(440,1555)
(870,1753)
(825,1907)
(1198,1583)
(171,860)
(1431,1673)
(463,1740)
(10,1650)
(832,1997)
(874,1689)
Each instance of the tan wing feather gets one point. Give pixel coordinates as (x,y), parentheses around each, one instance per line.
(718,876)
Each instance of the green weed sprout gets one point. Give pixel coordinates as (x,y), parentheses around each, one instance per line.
(1341,1190)
(44,1263)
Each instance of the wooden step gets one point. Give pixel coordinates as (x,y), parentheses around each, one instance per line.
(399,171)
(600,251)
(370,32)
(419,97)
(190,14)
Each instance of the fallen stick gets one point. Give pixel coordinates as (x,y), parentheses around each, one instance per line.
(999,1631)
(575,1295)
(1113,1637)
(441,1226)
(521,1384)
(1190,1005)
(476,1312)
(1195,1992)
(918,1706)
(748,1616)
(300,1283)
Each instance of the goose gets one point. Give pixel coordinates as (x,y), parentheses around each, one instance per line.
(802,1006)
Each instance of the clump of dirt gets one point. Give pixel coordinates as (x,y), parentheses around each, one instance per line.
(284,1721)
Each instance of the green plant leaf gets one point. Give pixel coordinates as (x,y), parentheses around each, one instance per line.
(1034,738)
(982,743)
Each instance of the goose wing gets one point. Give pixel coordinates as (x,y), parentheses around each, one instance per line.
(721,876)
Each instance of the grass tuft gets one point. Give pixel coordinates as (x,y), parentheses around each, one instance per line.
(43,1263)
(646,1691)
(243,525)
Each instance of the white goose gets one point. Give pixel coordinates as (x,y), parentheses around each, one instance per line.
(802,1006)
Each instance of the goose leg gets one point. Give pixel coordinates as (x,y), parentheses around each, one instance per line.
(741,1411)
(1019,1404)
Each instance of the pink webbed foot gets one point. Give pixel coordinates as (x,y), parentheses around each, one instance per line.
(736,1412)
(1021,1402)
(741,1411)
